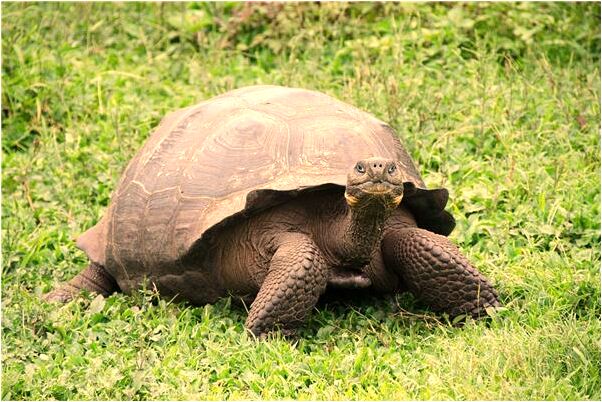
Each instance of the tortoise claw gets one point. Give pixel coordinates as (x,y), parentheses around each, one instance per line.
(60,295)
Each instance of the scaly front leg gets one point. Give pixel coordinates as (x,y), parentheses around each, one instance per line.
(296,278)
(437,273)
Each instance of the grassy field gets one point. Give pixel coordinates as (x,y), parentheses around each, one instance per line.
(500,103)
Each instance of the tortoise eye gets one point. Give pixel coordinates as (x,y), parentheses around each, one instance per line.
(360,168)
(392,169)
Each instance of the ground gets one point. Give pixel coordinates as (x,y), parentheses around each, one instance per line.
(500,103)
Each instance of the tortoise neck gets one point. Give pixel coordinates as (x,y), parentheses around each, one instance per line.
(361,232)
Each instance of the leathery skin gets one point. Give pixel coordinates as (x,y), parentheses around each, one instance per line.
(94,279)
(296,278)
(437,273)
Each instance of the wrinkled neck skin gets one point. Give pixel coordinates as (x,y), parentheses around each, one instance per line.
(361,232)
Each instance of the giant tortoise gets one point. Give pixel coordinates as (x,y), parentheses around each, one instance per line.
(275,195)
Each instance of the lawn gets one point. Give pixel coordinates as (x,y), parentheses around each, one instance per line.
(498,102)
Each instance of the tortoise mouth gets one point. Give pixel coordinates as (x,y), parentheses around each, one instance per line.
(377,188)
(385,193)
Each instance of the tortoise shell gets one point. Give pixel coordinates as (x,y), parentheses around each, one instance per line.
(231,155)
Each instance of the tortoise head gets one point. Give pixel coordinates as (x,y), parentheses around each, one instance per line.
(375,181)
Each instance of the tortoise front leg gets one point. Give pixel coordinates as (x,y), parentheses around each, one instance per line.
(296,278)
(437,273)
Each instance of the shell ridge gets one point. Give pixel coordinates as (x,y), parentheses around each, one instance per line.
(166,133)
(144,246)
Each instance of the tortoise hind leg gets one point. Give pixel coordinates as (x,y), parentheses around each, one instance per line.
(437,273)
(93,279)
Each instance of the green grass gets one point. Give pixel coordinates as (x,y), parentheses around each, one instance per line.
(500,103)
